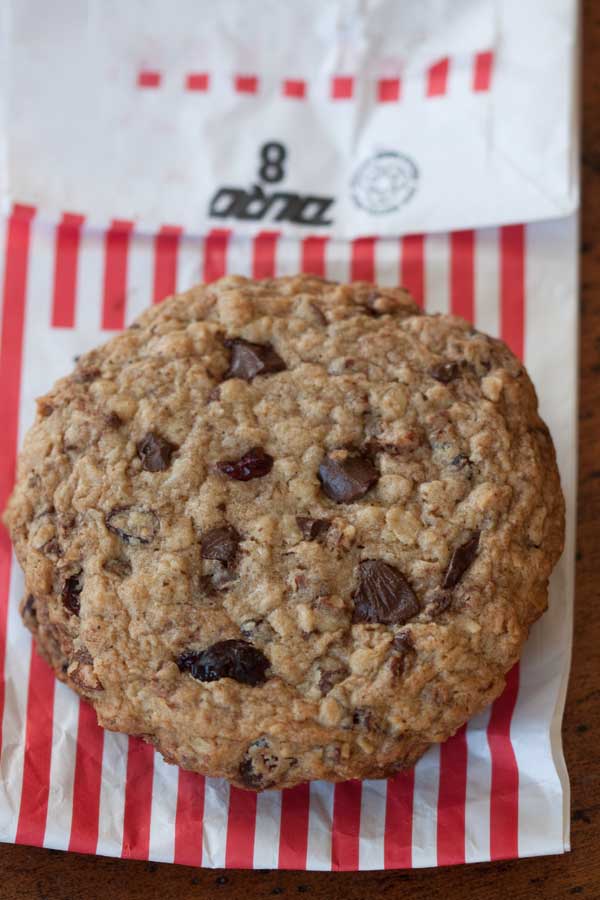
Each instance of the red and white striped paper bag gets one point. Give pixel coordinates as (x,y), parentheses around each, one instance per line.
(431,144)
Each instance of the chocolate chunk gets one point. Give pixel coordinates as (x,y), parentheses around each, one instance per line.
(70,593)
(29,610)
(363,718)
(403,642)
(253,464)
(220,543)
(155,452)
(258,764)
(347,479)
(460,561)
(119,567)
(461,461)
(383,595)
(438,603)
(444,372)
(226,659)
(133,524)
(311,529)
(113,420)
(249,360)
(328,679)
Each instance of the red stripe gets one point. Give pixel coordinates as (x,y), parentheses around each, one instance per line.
(451,800)
(388,90)
(313,255)
(138,799)
(345,830)
(504,795)
(149,79)
(462,274)
(342,87)
(40,694)
(197,81)
(166,247)
(412,266)
(482,71)
(215,254)
(246,84)
(38,752)
(293,831)
(363,259)
(87,782)
(115,274)
(263,254)
(397,840)
(241,825)
(512,287)
(188,819)
(294,88)
(68,235)
(437,78)
(14,292)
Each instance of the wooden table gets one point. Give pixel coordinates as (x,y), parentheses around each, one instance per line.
(27,873)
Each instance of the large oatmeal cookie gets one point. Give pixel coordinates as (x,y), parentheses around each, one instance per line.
(288,529)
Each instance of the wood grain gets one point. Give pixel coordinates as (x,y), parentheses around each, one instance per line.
(52,875)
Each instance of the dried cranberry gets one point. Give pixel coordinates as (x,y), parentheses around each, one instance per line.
(256,463)
(226,659)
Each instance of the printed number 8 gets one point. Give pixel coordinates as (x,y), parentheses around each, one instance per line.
(272,156)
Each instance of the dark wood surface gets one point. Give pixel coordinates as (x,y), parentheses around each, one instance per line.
(27,873)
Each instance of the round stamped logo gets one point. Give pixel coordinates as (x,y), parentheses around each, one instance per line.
(384,182)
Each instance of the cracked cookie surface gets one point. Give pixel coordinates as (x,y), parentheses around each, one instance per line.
(288,529)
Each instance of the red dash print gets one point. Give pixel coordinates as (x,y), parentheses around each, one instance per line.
(345,830)
(412,266)
(188,819)
(451,800)
(362,266)
(68,234)
(397,841)
(294,88)
(12,322)
(263,254)
(342,87)
(313,255)
(482,71)
(241,826)
(87,782)
(437,78)
(115,274)
(138,799)
(215,254)
(149,78)
(504,798)
(388,90)
(246,84)
(197,81)
(166,246)
(293,832)
(512,287)
(38,751)
(462,274)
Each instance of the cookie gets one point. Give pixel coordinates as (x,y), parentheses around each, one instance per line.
(288,529)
